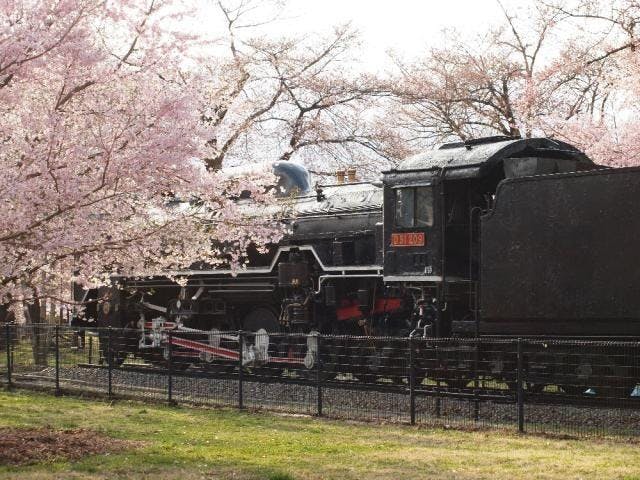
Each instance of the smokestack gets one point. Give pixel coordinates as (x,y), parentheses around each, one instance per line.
(340,174)
(351,175)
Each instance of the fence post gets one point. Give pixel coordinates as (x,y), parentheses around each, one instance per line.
(476,380)
(412,383)
(57,344)
(9,363)
(110,362)
(438,383)
(169,367)
(319,376)
(240,373)
(90,348)
(520,388)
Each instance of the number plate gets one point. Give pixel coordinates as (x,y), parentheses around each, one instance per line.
(407,239)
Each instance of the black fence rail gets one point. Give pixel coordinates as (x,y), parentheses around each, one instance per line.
(536,385)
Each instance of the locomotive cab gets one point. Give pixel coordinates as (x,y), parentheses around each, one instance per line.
(432,201)
(411,229)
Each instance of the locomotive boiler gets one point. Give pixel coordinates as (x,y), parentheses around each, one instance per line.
(494,236)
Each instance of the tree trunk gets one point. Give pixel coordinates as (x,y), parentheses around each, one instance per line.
(39,333)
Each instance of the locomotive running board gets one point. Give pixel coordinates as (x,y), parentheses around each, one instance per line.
(343,269)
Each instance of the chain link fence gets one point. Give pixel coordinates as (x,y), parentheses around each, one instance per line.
(526,385)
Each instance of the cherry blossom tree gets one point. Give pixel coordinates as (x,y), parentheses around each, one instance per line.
(608,31)
(565,69)
(534,74)
(293,99)
(99,144)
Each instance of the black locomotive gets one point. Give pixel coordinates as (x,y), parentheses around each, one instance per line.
(494,236)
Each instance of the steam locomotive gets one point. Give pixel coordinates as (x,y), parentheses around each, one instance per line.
(493,236)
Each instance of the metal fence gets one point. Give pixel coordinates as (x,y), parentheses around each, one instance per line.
(534,385)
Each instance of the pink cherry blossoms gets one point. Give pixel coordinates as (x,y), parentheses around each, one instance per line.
(96,140)
(564,69)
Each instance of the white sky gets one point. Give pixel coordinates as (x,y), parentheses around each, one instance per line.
(406,26)
(403,25)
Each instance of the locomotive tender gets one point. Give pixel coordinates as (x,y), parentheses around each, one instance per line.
(493,236)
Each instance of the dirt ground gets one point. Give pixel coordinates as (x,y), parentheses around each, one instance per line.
(19,446)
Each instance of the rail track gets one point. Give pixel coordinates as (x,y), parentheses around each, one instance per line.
(480,394)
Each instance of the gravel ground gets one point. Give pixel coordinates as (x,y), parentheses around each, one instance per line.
(343,402)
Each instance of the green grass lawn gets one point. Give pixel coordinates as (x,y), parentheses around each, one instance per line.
(189,443)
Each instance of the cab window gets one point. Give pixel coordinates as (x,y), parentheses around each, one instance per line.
(405,204)
(424,207)
(414,207)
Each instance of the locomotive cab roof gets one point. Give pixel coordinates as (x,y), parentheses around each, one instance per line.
(475,158)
